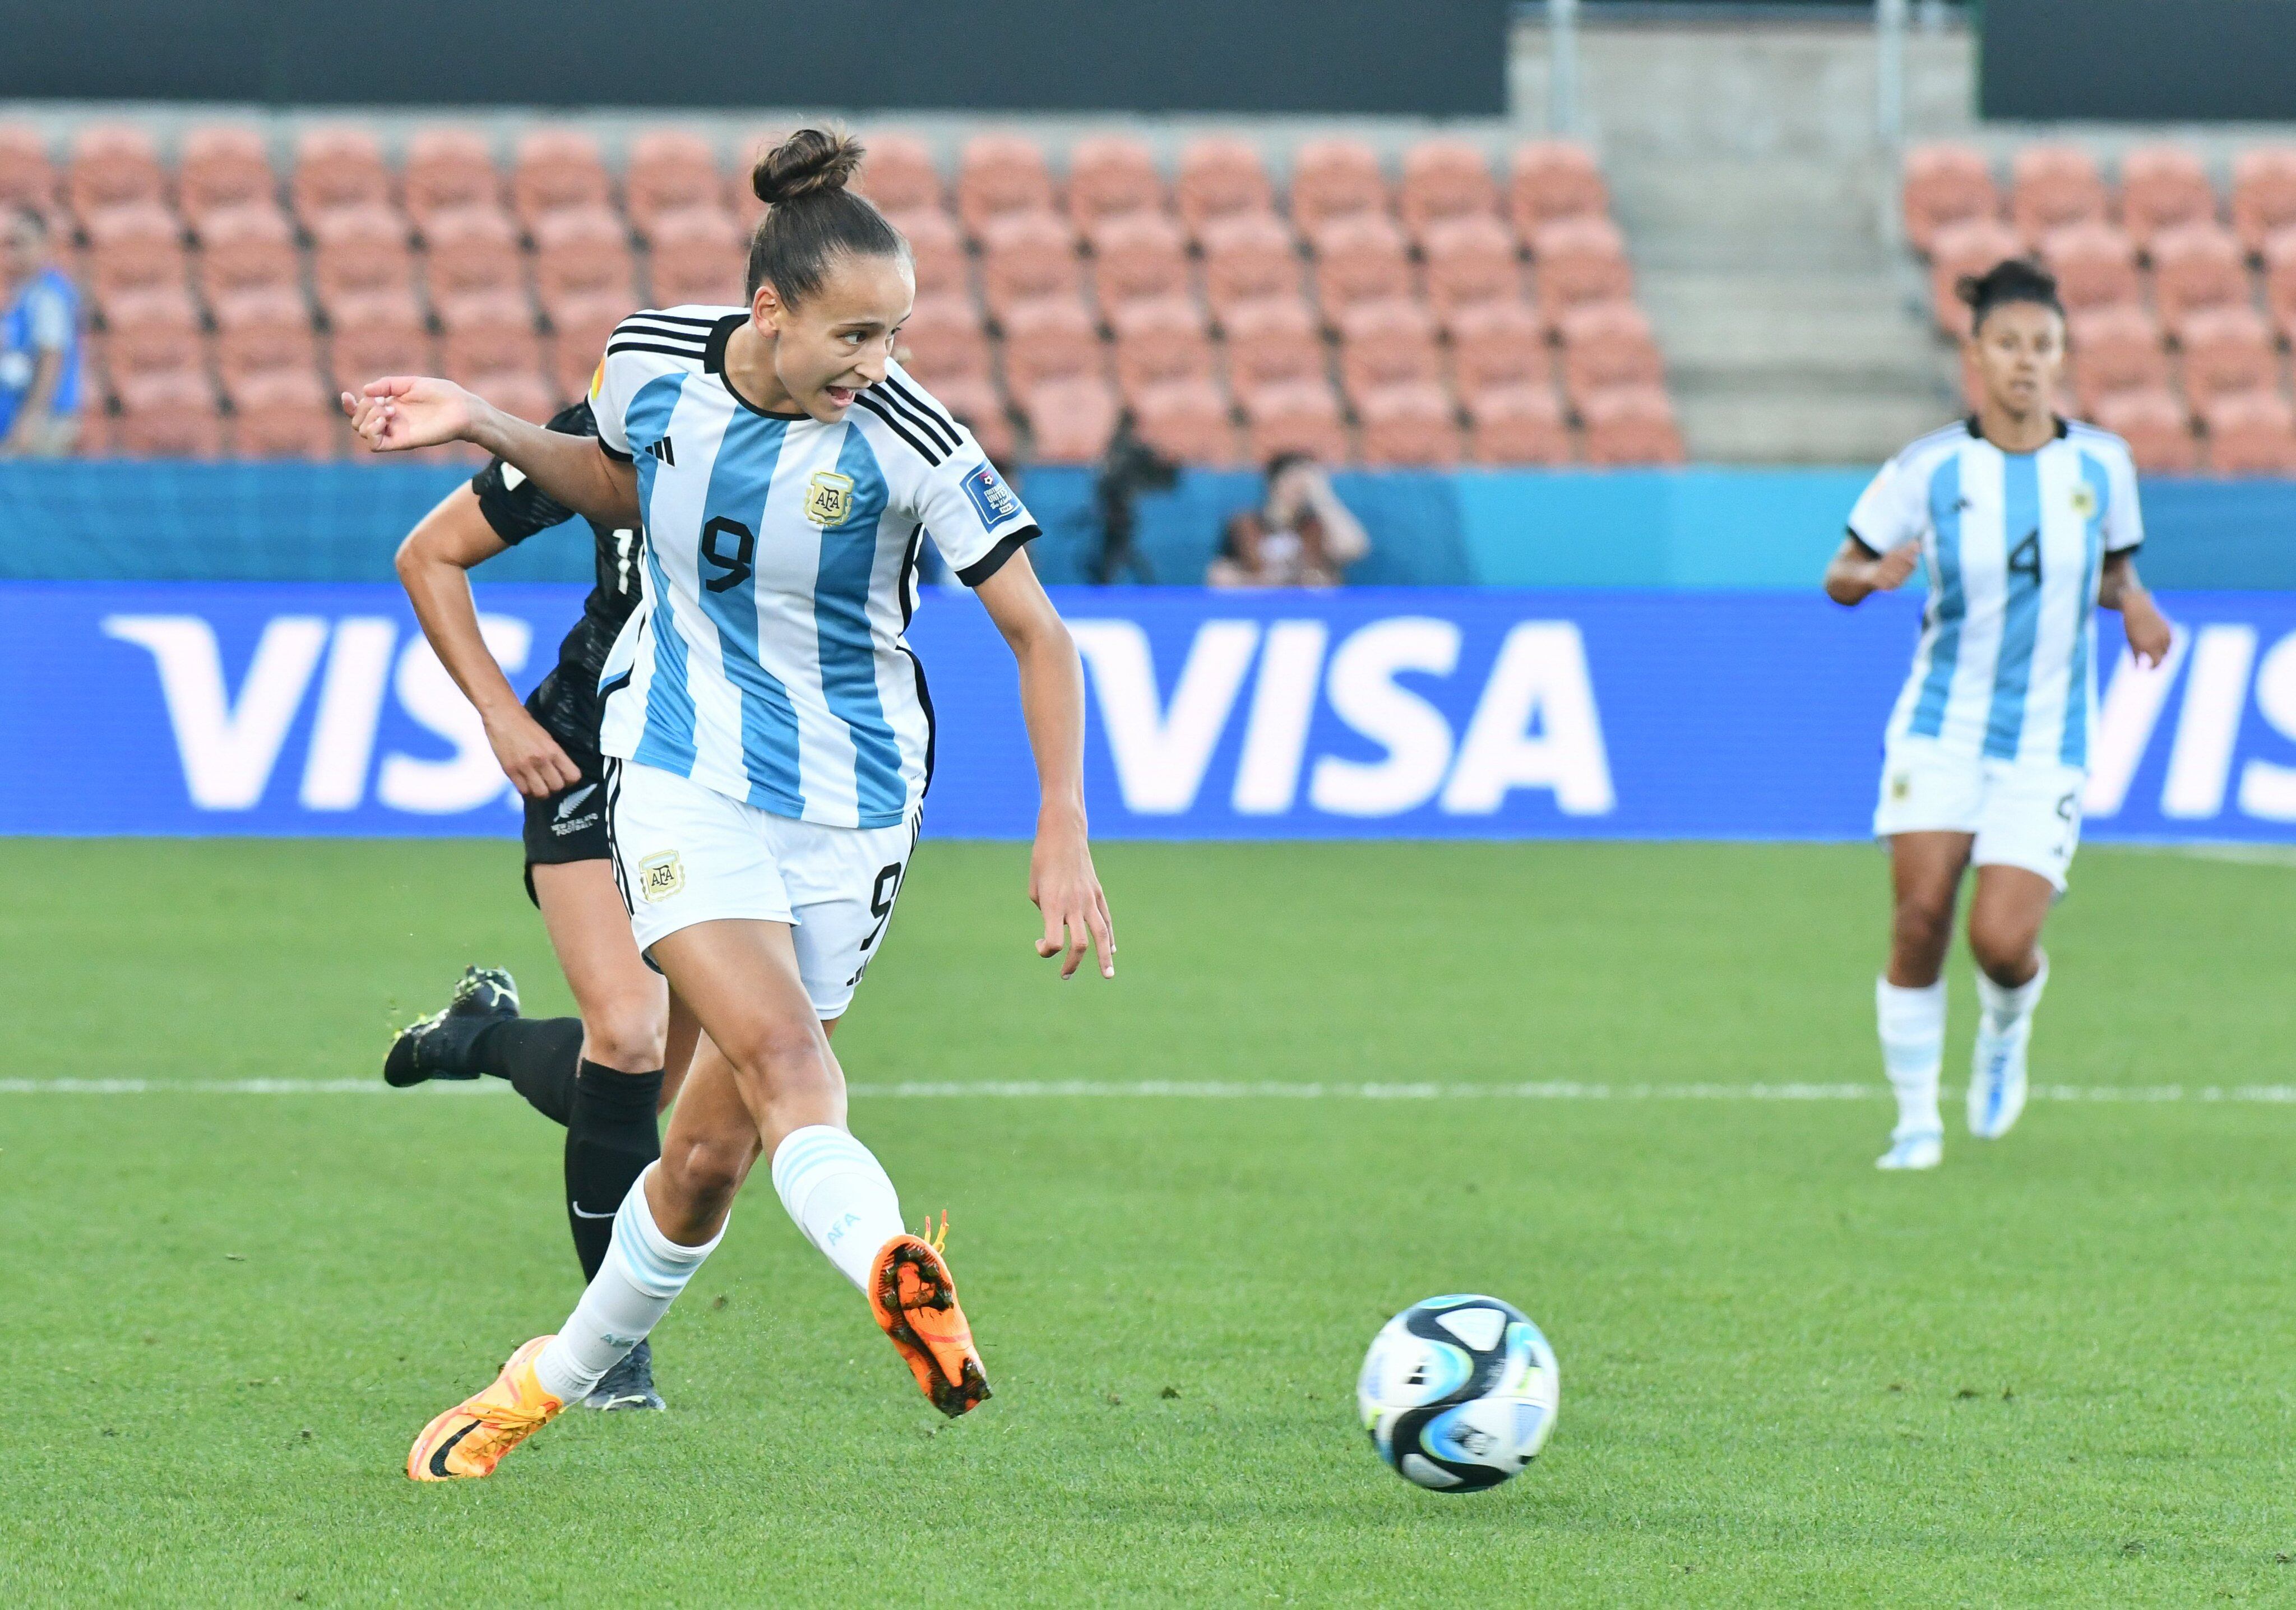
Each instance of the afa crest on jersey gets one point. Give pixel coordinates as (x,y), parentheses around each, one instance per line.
(2085,501)
(828,498)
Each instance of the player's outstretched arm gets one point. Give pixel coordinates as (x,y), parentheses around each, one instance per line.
(399,412)
(1856,573)
(2118,588)
(1062,880)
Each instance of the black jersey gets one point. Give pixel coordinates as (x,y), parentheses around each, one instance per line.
(566,702)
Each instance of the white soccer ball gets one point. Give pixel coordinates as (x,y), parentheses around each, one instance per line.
(1459,1392)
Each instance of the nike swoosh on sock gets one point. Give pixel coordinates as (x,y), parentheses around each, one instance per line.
(582,1213)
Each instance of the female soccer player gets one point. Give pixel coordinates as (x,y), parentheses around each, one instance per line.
(2025,522)
(768,739)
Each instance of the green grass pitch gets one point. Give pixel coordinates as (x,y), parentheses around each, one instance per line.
(2057,1371)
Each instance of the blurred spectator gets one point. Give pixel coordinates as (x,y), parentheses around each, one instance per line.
(1301,535)
(39,343)
(1129,468)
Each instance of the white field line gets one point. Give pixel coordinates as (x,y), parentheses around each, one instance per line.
(1204,1090)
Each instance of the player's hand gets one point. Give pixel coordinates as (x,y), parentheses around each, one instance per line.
(1066,889)
(403,411)
(1892,569)
(2150,636)
(529,757)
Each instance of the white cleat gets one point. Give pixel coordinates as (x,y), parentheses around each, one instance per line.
(1924,1150)
(1996,1081)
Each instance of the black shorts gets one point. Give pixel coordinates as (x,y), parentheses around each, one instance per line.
(569,826)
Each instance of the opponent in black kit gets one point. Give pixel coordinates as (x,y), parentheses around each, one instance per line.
(602,1075)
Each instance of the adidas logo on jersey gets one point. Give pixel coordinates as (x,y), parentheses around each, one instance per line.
(662,450)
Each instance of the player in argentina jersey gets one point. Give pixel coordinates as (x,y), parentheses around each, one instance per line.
(769,739)
(2023,523)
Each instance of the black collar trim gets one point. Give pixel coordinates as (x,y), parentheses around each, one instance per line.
(713,362)
(2065,427)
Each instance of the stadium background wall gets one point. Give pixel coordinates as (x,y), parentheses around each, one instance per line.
(2140,61)
(1434,58)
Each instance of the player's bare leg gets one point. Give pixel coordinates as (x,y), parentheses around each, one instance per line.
(2006,917)
(1925,872)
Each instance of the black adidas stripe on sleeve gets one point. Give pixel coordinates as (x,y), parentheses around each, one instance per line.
(931,455)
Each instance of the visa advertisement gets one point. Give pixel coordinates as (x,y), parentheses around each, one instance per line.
(256,707)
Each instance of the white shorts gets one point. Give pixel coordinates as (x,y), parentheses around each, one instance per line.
(686,854)
(2024,814)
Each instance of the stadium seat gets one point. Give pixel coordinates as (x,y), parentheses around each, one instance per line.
(260,330)
(134,246)
(1548,180)
(1607,344)
(697,256)
(338,169)
(669,171)
(1386,343)
(999,176)
(113,165)
(1049,339)
(1189,422)
(284,413)
(1220,178)
(2096,266)
(375,333)
(223,165)
(247,246)
(2116,349)
(980,407)
(583,251)
(359,249)
(938,251)
(168,414)
(1333,180)
(1137,256)
(469,249)
(1249,257)
(2226,350)
(1360,258)
(1957,251)
(1294,416)
(897,172)
(153,332)
(520,392)
(1111,176)
(1470,260)
(1158,341)
(447,169)
(1409,423)
(1576,260)
(2051,186)
(2279,281)
(1444,181)
(1070,420)
(27,176)
(2263,194)
(1517,425)
(2250,433)
(1025,257)
(1630,425)
(2162,186)
(487,332)
(1271,342)
(2196,266)
(1943,185)
(1499,344)
(2155,425)
(557,169)
(579,326)
(945,341)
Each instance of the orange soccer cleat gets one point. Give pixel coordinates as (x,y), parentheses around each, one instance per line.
(471,1439)
(914,1296)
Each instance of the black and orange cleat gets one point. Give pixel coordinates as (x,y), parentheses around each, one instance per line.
(914,1296)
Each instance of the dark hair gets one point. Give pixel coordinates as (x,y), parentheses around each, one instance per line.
(810,215)
(24,212)
(2014,279)
(1285,460)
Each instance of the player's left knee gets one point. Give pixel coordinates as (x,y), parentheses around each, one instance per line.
(2003,952)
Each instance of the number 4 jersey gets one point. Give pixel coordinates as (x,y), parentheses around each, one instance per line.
(766,661)
(2013,545)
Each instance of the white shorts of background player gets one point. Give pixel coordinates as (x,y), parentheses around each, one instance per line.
(2024,813)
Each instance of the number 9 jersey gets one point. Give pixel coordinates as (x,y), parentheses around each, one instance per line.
(766,661)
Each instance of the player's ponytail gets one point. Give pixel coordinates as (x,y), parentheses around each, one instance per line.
(810,215)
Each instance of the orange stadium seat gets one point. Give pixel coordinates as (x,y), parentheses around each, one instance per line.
(27,176)
(377,333)
(1387,343)
(338,169)
(113,165)
(1137,257)
(1220,178)
(1070,419)
(998,175)
(669,171)
(134,246)
(153,331)
(359,249)
(1159,341)
(223,165)
(1576,260)
(579,326)
(557,169)
(1958,250)
(1607,344)
(980,407)
(1294,416)
(1360,258)
(487,332)
(1517,425)
(448,169)
(1188,420)
(1111,176)
(945,341)
(520,392)
(1271,342)
(1498,344)
(697,255)
(1470,260)
(2096,266)
(247,246)
(2162,186)
(1445,180)
(2263,194)
(2196,266)
(284,413)
(1548,180)
(470,249)
(2279,281)
(1333,180)
(1946,184)
(1630,425)
(583,251)
(170,414)
(2155,425)
(1249,257)
(1410,423)
(1050,339)
(2051,186)
(263,329)
(2250,433)
(2116,349)
(2225,350)
(1027,255)
(942,265)
(897,172)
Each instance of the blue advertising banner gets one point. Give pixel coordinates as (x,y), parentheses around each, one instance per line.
(196,708)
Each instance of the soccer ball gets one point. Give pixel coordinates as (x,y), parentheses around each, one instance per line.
(1458,1393)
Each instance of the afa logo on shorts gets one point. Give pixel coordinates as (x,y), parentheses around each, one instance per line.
(660,876)
(992,499)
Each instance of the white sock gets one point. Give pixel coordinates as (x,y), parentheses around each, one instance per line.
(642,1274)
(840,1195)
(2007,1009)
(1911,1022)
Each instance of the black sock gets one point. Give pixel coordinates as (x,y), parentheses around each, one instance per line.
(609,1139)
(538,1057)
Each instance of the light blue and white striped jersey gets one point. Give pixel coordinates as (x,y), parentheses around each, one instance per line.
(2013,543)
(767,659)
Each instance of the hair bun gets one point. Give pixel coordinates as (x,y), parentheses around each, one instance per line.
(812,161)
